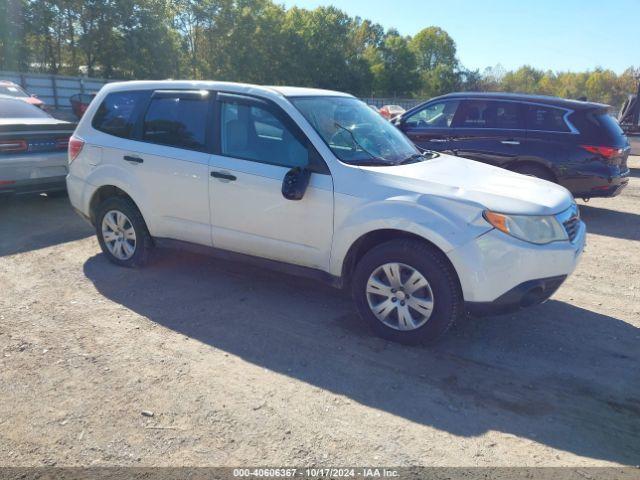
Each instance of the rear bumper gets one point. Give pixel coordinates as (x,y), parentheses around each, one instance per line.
(80,193)
(36,185)
(596,180)
(33,172)
(526,294)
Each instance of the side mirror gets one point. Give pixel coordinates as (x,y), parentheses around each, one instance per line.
(295,183)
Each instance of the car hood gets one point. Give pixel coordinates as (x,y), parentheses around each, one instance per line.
(467,180)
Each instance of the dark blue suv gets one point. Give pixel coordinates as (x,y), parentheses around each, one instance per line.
(574,143)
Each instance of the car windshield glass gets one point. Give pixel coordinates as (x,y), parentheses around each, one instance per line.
(12,90)
(354,132)
(10,108)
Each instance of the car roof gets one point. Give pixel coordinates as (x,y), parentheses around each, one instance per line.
(225,86)
(525,97)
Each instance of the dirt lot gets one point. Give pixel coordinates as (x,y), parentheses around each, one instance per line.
(243,366)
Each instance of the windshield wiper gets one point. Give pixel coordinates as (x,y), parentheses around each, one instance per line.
(416,157)
(374,160)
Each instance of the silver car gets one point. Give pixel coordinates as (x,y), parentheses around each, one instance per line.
(33,149)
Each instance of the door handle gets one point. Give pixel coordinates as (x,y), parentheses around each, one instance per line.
(438,140)
(510,142)
(131,159)
(224,176)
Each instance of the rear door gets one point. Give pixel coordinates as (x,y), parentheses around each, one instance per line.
(489,131)
(549,137)
(430,127)
(166,158)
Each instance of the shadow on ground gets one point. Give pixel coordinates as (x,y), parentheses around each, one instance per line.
(611,223)
(30,222)
(556,374)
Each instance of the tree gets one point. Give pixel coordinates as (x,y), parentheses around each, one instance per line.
(437,64)
(393,66)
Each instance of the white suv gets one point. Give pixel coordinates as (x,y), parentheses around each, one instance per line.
(317,182)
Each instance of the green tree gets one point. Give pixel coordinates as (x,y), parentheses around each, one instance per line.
(393,65)
(437,64)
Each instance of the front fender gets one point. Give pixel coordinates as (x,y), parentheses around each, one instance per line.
(445,223)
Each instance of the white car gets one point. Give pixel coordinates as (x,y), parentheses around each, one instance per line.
(317,182)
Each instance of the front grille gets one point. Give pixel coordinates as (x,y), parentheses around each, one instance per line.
(572,226)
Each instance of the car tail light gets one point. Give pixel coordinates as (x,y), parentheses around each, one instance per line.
(62,143)
(75,147)
(13,146)
(606,152)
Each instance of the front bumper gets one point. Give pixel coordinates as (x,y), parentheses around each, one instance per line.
(526,294)
(497,268)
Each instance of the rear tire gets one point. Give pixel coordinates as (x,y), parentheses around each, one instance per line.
(416,260)
(534,171)
(123,234)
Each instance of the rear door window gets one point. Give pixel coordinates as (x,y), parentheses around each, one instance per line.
(436,115)
(177,120)
(508,115)
(118,112)
(546,118)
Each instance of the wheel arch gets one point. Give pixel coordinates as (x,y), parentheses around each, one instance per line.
(102,194)
(373,238)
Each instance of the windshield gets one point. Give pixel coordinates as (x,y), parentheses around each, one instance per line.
(12,90)
(354,132)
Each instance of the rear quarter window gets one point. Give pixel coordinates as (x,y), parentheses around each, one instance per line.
(118,112)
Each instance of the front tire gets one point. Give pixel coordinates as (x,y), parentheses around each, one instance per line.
(407,291)
(122,232)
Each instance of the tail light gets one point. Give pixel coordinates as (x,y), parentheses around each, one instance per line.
(62,144)
(75,147)
(13,146)
(606,152)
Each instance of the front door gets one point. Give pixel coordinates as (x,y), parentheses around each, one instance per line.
(256,145)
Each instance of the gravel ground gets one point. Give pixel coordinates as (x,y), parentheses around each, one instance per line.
(195,361)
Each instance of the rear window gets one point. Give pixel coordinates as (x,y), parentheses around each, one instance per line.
(117,113)
(545,118)
(177,121)
(13,91)
(598,126)
(18,109)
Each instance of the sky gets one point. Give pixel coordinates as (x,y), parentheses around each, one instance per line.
(561,35)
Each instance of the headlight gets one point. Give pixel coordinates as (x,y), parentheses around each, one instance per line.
(538,229)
